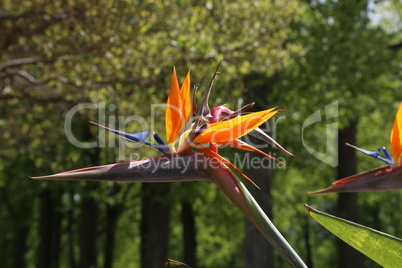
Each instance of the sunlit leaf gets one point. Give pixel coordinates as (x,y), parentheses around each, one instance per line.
(378,246)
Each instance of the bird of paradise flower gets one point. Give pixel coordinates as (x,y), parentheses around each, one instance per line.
(385,178)
(382,248)
(193,155)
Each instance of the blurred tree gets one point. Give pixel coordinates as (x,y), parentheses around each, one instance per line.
(189,234)
(49,229)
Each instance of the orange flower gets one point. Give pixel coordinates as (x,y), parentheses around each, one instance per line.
(178,109)
(222,132)
(396,138)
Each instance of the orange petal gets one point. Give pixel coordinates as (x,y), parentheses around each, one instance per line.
(238,144)
(173,114)
(396,138)
(186,101)
(228,130)
(209,152)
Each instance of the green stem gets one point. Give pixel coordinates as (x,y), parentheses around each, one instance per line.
(268,229)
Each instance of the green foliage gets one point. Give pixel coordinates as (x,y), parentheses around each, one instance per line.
(380,247)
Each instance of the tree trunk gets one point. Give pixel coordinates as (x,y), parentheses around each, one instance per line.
(49,230)
(89,206)
(112,216)
(88,232)
(56,231)
(45,227)
(257,251)
(307,242)
(155,218)
(348,202)
(70,232)
(189,234)
(20,246)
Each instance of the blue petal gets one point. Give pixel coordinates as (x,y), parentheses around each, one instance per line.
(136,137)
(158,139)
(387,155)
(163,147)
(200,129)
(376,154)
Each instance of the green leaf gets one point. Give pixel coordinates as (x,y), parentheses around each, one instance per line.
(382,248)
